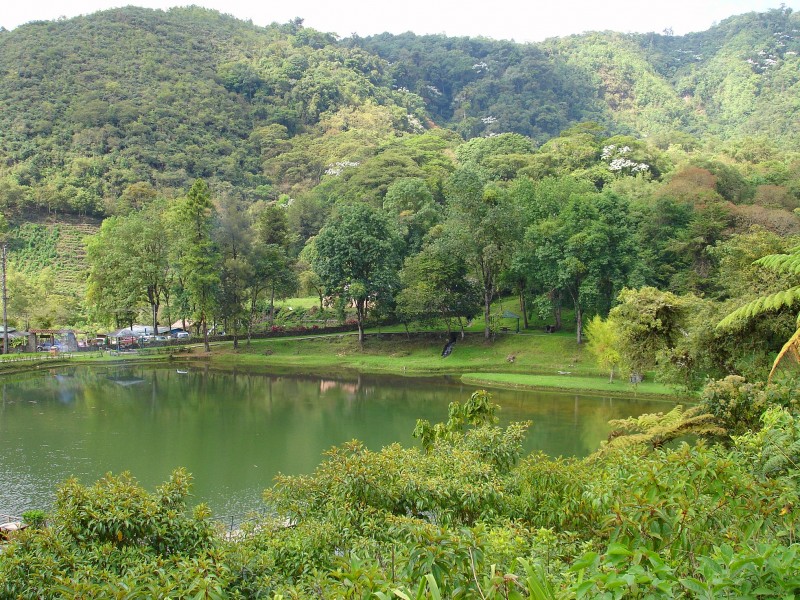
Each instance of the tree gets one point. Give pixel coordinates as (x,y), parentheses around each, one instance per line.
(540,202)
(436,284)
(410,202)
(198,263)
(603,343)
(309,280)
(357,257)
(788,265)
(24,295)
(586,252)
(129,264)
(648,321)
(113,293)
(233,238)
(483,225)
(273,266)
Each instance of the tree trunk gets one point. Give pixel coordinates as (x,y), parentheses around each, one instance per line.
(5,302)
(272,307)
(250,318)
(154,307)
(205,333)
(487,310)
(523,306)
(579,323)
(360,314)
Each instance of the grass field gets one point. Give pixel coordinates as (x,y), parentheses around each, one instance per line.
(518,360)
(530,359)
(567,382)
(419,354)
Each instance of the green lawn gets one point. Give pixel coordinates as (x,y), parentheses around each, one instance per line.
(395,353)
(568,382)
(531,359)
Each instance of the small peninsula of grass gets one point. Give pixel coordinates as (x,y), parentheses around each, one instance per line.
(567,382)
(535,361)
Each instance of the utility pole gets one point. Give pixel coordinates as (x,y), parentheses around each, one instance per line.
(5,301)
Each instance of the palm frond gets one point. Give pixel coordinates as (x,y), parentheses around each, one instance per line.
(790,351)
(782,263)
(772,302)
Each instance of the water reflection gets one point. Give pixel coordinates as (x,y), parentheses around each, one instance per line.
(235,431)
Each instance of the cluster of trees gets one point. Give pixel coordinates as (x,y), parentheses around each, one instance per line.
(586,223)
(687,338)
(192,258)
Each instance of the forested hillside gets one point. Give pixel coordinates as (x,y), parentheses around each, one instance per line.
(677,146)
(96,104)
(738,78)
(152,99)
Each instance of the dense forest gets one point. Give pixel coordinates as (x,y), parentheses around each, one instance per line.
(96,104)
(640,193)
(560,172)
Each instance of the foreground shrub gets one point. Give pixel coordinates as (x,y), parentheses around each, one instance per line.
(738,405)
(458,518)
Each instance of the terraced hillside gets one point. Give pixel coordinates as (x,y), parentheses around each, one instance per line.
(59,246)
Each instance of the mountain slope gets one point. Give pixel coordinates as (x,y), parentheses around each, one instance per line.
(95,104)
(739,78)
(98,111)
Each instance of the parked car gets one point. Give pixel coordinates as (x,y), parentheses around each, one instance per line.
(160,338)
(182,335)
(128,342)
(47,346)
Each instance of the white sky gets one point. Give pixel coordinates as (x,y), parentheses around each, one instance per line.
(520,20)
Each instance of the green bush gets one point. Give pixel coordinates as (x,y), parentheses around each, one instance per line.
(739,405)
(457,519)
(34,518)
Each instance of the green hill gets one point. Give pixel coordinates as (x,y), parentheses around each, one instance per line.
(102,113)
(94,104)
(738,78)
(97,104)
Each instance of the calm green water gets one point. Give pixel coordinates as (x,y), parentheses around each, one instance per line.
(235,431)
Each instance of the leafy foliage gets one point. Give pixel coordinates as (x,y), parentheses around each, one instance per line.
(658,429)
(456,521)
(357,254)
(738,405)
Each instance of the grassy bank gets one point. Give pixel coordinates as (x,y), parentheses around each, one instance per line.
(567,382)
(414,355)
(538,361)
(531,359)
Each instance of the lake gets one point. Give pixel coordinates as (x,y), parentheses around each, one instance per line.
(235,430)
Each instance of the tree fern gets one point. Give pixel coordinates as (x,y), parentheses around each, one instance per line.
(784,264)
(655,429)
(776,446)
(789,352)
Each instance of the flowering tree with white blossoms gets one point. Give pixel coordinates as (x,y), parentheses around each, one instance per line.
(619,162)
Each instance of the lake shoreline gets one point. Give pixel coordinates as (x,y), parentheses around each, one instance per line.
(517,361)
